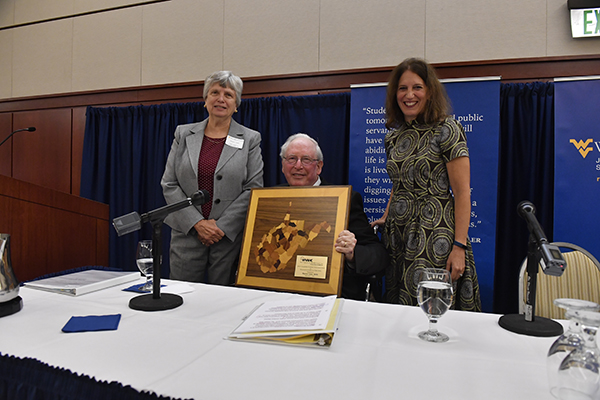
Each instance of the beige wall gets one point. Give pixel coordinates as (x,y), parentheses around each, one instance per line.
(58,46)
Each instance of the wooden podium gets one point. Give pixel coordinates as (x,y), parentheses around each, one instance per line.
(51,231)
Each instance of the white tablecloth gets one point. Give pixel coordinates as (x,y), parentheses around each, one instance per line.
(182,352)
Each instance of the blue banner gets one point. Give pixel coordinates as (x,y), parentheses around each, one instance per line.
(577,163)
(367,172)
(476,105)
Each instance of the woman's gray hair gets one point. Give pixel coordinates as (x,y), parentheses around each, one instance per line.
(295,136)
(225,79)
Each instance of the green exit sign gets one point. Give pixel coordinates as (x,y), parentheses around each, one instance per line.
(585,18)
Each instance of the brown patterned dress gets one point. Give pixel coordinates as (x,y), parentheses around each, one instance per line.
(419,229)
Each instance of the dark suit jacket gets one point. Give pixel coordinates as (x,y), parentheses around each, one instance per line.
(370,256)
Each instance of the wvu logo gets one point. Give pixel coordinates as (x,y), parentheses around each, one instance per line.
(582,146)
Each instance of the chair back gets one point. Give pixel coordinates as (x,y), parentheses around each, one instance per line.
(580,280)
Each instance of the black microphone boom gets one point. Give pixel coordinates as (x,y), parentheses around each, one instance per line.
(526,210)
(200,197)
(552,260)
(133,221)
(30,129)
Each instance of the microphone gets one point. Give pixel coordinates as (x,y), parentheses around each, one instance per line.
(30,129)
(133,221)
(551,260)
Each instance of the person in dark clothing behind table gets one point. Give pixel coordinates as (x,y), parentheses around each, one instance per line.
(365,255)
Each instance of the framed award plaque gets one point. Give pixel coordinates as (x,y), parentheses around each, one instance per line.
(289,238)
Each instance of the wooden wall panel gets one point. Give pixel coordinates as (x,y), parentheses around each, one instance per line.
(43,157)
(6,148)
(77,148)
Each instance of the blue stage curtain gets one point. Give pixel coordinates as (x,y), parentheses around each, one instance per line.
(124,154)
(526,172)
(326,118)
(30,379)
(125,150)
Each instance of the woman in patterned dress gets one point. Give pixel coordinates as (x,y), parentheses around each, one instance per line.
(428,214)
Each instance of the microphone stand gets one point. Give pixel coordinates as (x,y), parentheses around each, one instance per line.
(131,222)
(156,301)
(528,323)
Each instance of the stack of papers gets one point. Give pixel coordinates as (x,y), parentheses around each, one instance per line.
(82,282)
(304,321)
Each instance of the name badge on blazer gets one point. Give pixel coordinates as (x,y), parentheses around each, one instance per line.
(234,142)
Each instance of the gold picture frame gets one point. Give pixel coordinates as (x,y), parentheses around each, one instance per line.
(289,238)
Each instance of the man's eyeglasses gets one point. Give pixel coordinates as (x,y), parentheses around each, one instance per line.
(292,160)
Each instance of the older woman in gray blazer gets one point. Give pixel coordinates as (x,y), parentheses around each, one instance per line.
(224,158)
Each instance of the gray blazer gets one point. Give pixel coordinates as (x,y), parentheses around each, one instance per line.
(240,168)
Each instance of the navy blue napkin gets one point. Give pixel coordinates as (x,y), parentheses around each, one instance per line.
(138,288)
(92,323)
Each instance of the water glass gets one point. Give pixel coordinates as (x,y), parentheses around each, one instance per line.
(570,340)
(579,372)
(434,294)
(144,261)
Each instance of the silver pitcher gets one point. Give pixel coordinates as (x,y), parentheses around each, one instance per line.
(10,302)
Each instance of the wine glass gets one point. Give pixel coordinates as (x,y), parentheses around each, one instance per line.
(435,297)
(144,261)
(568,341)
(579,372)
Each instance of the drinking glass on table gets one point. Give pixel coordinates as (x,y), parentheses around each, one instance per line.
(579,372)
(434,294)
(570,340)
(144,261)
